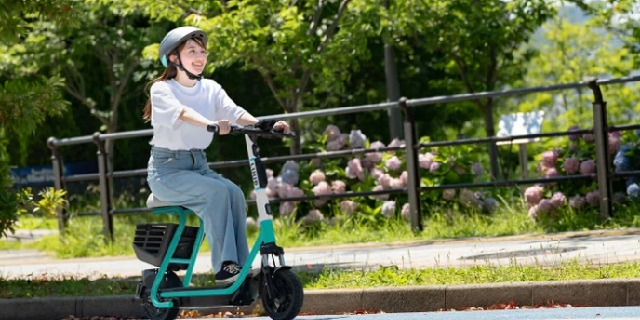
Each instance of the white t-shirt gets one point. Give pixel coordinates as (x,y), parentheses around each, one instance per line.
(206,97)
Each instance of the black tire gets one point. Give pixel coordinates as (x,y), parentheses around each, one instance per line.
(171,280)
(289,296)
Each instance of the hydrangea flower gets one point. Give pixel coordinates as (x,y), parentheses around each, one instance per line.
(286,208)
(316,177)
(332,132)
(406,211)
(489,205)
(380,196)
(534,212)
(633,191)
(558,199)
(613,141)
(588,167)
(388,208)
(357,139)
(348,206)
(545,206)
(321,189)
(338,186)
(574,136)
(533,195)
(448,194)
(393,163)
(312,217)
(477,168)
(354,169)
(571,165)
(621,161)
(468,199)
(385,180)
(593,197)
(434,167)
(425,160)
(375,157)
(549,158)
(577,202)
(588,137)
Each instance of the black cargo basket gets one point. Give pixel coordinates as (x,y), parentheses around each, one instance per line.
(151,243)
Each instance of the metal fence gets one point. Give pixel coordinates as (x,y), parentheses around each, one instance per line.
(412,146)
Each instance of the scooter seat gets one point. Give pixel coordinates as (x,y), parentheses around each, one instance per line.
(153,202)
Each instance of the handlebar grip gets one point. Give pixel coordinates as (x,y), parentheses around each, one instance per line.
(213,128)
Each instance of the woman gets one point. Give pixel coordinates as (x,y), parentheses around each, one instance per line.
(180,107)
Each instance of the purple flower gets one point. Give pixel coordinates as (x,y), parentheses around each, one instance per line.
(571,165)
(588,167)
(348,206)
(613,142)
(354,169)
(406,211)
(588,137)
(434,167)
(316,177)
(338,186)
(312,217)
(573,136)
(551,172)
(388,208)
(533,212)
(593,197)
(376,173)
(545,206)
(549,158)
(337,144)
(286,208)
(448,194)
(357,139)
(558,199)
(425,160)
(533,195)
(577,202)
(477,168)
(393,163)
(489,205)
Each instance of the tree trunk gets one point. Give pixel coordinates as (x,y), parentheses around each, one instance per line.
(295,147)
(493,148)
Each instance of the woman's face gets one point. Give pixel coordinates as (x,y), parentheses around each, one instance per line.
(193,57)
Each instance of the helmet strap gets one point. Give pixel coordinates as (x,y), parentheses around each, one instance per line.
(181,67)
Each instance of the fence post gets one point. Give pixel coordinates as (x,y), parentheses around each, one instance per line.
(413,176)
(600,132)
(105,203)
(56,164)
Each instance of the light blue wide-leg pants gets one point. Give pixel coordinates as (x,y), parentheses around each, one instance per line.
(183,178)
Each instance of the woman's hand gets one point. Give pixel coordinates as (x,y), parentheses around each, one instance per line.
(224,126)
(281,126)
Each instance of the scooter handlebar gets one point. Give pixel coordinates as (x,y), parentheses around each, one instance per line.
(254,131)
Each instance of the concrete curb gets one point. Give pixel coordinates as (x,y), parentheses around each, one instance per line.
(591,293)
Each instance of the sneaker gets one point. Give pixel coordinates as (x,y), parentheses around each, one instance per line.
(229,273)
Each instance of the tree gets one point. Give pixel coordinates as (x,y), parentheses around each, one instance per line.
(26,101)
(293,44)
(478,40)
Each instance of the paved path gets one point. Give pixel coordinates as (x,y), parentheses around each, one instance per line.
(595,247)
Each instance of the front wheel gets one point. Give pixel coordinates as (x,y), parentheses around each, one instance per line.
(287,301)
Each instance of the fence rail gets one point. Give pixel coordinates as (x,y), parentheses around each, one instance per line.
(412,147)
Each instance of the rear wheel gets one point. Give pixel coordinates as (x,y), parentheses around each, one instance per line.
(170,280)
(287,302)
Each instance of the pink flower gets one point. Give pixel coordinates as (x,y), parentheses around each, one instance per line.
(558,199)
(294,192)
(388,208)
(551,172)
(425,160)
(613,142)
(380,196)
(549,158)
(534,212)
(332,132)
(393,163)
(406,211)
(316,177)
(571,165)
(376,173)
(357,139)
(397,183)
(321,189)
(448,194)
(404,176)
(337,144)
(385,180)
(396,143)
(375,157)
(269,173)
(354,169)
(588,167)
(286,208)
(348,206)
(338,186)
(533,195)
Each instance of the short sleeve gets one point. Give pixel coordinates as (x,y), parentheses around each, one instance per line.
(166,108)
(226,109)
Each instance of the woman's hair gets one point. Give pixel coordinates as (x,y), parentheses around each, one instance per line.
(169,73)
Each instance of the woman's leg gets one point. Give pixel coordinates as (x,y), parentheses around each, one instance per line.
(209,199)
(238,214)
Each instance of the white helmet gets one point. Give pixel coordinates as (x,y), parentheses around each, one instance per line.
(175,37)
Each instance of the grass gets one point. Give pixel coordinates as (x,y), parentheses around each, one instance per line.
(347,278)
(85,239)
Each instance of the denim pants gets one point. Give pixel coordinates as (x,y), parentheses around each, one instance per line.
(183,178)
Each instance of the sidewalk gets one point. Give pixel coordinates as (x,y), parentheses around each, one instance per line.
(597,247)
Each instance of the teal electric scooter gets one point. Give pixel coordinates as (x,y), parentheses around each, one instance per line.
(174,247)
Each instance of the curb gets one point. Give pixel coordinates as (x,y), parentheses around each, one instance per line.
(592,293)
